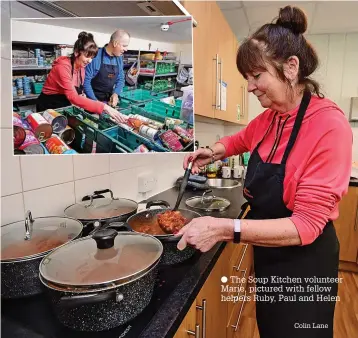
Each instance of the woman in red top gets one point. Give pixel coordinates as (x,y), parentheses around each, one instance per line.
(299,169)
(64,84)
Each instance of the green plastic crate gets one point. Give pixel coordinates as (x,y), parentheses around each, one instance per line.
(141,95)
(162,109)
(115,138)
(37,87)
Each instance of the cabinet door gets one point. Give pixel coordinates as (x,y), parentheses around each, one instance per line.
(226,54)
(346,226)
(188,325)
(213,320)
(241,94)
(203,59)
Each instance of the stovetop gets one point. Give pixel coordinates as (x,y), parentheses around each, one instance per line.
(33,317)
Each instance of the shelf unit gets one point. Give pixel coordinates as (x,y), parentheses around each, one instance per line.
(25,97)
(28,47)
(31,68)
(154,75)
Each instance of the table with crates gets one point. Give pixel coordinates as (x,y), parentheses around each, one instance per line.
(155,123)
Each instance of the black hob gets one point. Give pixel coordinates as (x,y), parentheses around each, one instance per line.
(33,317)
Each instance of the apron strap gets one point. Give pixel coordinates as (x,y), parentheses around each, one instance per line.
(296,127)
(268,129)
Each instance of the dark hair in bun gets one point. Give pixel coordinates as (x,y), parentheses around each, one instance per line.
(274,43)
(85,45)
(292,18)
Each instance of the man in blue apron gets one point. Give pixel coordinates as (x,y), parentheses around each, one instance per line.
(105,79)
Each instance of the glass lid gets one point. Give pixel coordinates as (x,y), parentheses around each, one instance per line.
(101,208)
(208,202)
(33,237)
(108,258)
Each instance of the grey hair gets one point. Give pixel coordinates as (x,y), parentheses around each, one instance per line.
(119,33)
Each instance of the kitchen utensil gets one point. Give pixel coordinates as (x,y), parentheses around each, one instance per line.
(101,281)
(24,244)
(95,210)
(183,184)
(148,218)
(208,203)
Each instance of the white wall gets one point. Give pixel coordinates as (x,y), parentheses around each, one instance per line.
(338,73)
(34,32)
(186,51)
(47,184)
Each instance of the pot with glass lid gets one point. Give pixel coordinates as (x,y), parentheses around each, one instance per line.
(101,281)
(24,244)
(96,210)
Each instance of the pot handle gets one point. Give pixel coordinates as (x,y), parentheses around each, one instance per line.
(98,193)
(28,225)
(68,302)
(119,225)
(157,203)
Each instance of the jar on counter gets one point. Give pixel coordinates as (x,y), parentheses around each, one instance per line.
(211,170)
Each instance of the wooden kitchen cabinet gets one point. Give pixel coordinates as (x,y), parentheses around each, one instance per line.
(203,58)
(347,227)
(212,311)
(215,47)
(188,325)
(215,317)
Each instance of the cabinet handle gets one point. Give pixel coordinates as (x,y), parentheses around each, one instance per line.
(243,101)
(203,316)
(356,222)
(195,333)
(216,81)
(239,316)
(221,79)
(242,258)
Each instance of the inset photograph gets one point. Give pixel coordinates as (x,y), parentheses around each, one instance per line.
(102,85)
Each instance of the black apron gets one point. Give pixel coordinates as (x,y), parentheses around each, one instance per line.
(103,83)
(263,189)
(55,101)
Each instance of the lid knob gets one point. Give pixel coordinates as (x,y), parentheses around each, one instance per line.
(105,238)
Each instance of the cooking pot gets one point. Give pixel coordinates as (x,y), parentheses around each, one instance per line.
(171,254)
(101,281)
(24,244)
(95,210)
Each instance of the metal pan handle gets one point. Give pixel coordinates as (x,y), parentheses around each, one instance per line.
(157,203)
(98,192)
(69,302)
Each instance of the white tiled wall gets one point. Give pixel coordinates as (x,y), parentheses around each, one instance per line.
(48,184)
(337,74)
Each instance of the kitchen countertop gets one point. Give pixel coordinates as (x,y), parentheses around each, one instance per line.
(178,286)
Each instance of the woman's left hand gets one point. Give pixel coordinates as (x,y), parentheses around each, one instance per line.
(204,232)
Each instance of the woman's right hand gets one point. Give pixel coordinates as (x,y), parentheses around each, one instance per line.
(200,158)
(115,114)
